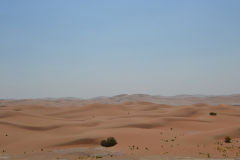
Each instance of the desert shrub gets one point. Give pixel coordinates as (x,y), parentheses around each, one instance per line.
(212,113)
(227,139)
(109,142)
(97,157)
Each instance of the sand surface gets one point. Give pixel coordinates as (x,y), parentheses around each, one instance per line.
(143,130)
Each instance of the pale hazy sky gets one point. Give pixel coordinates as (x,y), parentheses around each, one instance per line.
(73,48)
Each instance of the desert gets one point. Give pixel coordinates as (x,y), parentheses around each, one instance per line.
(119,80)
(34,130)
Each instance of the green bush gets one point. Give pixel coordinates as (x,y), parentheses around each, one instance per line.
(109,142)
(212,113)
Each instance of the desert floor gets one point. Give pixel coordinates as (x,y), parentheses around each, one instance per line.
(143,130)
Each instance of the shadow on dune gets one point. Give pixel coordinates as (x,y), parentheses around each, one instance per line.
(33,128)
(84,141)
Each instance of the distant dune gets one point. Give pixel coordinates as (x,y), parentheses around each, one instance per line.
(169,100)
(29,126)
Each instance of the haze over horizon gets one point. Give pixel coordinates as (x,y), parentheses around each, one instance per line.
(102,48)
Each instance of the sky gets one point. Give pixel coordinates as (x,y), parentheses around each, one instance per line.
(72,48)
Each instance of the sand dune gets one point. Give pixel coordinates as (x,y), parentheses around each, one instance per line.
(155,129)
(126,99)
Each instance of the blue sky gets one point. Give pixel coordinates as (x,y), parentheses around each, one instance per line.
(71,48)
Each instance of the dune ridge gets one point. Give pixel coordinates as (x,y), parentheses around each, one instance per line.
(233,99)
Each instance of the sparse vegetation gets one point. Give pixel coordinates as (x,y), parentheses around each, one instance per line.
(212,113)
(110,155)
(109,142)
(227,139)
(97,157)
(132,148)
(208,155)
